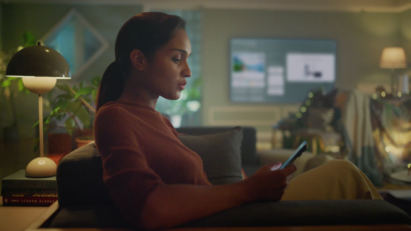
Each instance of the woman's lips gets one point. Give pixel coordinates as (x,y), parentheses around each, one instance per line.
(182,86)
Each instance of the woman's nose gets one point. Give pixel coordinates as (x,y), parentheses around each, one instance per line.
(187,71)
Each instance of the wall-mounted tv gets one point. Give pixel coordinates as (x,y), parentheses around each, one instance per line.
(280,70)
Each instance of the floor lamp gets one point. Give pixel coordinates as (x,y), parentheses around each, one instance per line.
(40,67)
(393,58)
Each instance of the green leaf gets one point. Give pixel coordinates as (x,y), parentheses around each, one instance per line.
(20,85)
(65,88)
(94,95)
(70,125)
(81,84)
(84,91)
(35,125)
(35,144)
(96,81)
(13,78)
(75,88)
(6,83)
(84,116)
(61,104)
(65,96)
(73,106)
(28,39)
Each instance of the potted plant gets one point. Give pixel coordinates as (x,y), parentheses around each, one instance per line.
(73,107)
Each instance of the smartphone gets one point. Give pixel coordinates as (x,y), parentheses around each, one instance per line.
(295,155)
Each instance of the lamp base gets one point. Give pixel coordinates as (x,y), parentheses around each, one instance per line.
(41,167)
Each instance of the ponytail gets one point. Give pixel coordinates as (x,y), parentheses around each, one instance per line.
(111,85)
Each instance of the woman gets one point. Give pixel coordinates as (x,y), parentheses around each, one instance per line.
(154,180)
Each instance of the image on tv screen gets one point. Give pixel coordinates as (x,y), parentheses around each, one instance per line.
(280,70)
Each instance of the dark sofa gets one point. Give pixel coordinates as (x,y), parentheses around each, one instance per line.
(85,202)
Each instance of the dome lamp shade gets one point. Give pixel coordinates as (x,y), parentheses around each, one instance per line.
(38,61)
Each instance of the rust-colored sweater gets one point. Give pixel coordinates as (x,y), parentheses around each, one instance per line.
(140,149)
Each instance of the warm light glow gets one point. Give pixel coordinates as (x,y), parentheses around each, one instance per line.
(399,94)
(193,105)
(374,96)
(19,48)
(307,103)
(409,165)
(303,109)
(310,95)
(298,115)
(387,149)
(47,51)
(383,94)
(393,57)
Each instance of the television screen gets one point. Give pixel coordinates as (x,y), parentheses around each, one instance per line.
(280,70)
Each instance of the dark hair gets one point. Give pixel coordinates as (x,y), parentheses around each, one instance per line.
(147,32)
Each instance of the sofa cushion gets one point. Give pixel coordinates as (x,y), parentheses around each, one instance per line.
(220,154)
(284,213)
(248,144)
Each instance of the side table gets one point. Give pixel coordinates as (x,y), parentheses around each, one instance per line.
(18,218)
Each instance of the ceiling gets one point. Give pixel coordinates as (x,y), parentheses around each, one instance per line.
(300,5)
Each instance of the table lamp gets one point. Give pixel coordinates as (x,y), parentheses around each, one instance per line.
(393,58)
(40,67)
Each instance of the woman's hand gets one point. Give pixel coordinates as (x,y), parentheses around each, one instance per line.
(268,183)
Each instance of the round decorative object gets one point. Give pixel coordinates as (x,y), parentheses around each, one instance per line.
(402,176)
(41,167)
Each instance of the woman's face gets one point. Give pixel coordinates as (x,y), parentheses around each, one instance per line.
(168,70)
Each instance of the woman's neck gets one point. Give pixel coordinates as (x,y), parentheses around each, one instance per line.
(137,95)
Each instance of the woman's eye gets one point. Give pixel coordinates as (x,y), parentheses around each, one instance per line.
(176,60)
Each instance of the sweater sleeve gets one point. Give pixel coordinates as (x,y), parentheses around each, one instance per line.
(126,173)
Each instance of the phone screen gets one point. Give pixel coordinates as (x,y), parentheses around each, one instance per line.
(295,155)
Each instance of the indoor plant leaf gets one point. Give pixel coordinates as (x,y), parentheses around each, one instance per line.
(96,81)
(83,91)
(84,116)
(65,88)
(70,125)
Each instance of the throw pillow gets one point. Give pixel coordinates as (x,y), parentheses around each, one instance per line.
(221,154)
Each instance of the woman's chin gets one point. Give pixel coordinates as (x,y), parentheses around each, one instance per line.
(172,97)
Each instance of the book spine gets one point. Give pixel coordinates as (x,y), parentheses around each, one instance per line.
(29,192)
(29,200)
(28,184)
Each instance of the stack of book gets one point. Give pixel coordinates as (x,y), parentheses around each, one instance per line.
(17,189)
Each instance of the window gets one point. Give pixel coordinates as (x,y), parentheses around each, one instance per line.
(77,40)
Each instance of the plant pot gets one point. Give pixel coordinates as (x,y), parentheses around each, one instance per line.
(81,141)
(80,135)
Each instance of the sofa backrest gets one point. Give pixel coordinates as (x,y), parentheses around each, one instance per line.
(248,144)
(80,173)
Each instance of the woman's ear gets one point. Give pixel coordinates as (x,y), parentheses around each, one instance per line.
(138,59)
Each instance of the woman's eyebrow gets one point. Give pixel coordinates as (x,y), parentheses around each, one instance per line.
(181,50)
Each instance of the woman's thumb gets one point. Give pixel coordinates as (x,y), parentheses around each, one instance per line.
(275,166)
